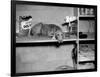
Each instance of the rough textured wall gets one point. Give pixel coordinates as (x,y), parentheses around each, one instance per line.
(46,14)
(44,58)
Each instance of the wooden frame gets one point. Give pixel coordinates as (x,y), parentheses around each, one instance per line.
(15,43)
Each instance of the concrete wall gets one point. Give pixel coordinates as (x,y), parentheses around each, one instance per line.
(44,58)
(46,14)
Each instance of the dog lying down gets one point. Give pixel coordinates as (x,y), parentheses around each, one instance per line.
(49,30)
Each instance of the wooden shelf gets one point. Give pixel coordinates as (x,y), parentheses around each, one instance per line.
(86,15)
(91,39)
(87,60)
(44,43)
(84,59)
(39,41)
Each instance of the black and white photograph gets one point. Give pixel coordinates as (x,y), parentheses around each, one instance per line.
(53,37)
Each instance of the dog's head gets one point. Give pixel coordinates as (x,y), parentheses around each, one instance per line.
(59,36)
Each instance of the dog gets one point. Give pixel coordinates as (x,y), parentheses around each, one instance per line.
(50,30)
